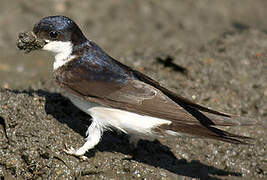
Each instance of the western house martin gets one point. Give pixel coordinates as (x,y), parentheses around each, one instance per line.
(118,97)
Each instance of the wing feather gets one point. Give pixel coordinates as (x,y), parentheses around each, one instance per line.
(115,85)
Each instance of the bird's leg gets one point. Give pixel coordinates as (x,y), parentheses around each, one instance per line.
(94,134)
(133,139)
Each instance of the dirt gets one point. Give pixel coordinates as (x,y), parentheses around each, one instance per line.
(212,52)
(28,42)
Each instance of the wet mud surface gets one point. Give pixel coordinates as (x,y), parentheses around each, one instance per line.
(212,52)
(28,42)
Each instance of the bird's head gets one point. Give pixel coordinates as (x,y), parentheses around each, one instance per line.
(59,33)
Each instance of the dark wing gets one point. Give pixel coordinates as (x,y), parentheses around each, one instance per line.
(218,118)
(103,80)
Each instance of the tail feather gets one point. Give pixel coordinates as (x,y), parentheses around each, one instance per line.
(233,120)
(206,118)
(205,132)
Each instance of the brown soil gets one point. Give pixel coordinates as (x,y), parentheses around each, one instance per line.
(221,44)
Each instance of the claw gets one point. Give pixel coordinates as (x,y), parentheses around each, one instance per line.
(73,152)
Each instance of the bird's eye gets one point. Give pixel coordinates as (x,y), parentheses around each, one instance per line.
(53,34)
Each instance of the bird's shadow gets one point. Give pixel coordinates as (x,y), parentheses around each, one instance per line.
(152,153)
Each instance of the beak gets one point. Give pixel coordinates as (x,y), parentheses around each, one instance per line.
(28,41)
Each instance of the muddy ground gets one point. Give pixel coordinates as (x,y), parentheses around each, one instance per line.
(221,44)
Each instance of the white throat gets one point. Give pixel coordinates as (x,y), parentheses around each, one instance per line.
(63,52)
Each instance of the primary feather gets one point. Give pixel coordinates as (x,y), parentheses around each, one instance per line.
(103,80)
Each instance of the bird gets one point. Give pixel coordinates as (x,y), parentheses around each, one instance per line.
(118,97)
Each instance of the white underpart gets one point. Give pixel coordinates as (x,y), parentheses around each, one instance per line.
(62,50)
(136,125)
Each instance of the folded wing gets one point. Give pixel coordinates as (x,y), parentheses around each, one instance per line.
(115,85)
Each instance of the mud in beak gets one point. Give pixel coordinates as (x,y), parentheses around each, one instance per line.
(27,41)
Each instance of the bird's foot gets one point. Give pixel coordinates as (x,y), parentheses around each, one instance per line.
(134,141)
(73,152)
